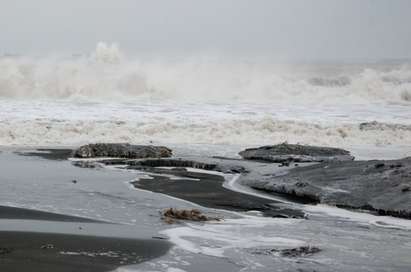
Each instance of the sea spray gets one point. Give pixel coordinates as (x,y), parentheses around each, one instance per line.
(107,74)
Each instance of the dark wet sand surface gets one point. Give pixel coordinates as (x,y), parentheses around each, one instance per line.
(207,190)
(28,214)
(48,153)
(22,251)
(50,249)
(48,252)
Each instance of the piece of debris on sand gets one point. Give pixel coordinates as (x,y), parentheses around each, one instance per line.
(47,246)
(171,215)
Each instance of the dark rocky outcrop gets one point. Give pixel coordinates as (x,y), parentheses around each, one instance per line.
(150,164)
(297,153)
(178,162)
(121,151)
(173,163)
(383,187)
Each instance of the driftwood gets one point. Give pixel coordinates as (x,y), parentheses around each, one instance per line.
(171,215)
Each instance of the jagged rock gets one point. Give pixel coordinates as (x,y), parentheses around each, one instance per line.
(122,151)
(379,186)
(298,153)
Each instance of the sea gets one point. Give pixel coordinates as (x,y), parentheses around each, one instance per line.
(206,106)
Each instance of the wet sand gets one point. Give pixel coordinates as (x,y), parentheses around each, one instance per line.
(30,251)
(28,214)
(207,190)
(48,153)
(33,240)
(61,252)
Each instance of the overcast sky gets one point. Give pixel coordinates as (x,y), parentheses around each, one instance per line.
(287,29)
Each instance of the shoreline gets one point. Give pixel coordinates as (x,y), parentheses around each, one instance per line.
(210,190)
(187,182)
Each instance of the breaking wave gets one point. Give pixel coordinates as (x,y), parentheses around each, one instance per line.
(57,101)
(330,82)
(107,74)
(45,132)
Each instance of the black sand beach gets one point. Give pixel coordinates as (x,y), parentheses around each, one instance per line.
(28,214)
(75,235)
(48,153)
(207,190)
(30,251)
(41,241)
(57,252)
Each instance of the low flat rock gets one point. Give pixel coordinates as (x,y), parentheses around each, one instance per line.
(117,150)
(297,153)
(380,186)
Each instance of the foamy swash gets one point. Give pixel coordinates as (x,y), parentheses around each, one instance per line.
(107,74)
(238,132)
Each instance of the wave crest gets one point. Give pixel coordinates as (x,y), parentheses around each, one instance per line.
(107,74)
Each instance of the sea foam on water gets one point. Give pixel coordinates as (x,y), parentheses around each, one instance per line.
(109,97)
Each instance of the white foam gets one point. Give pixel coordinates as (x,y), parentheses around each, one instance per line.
(108,74)
(173,269)
(158,127)
(380,221)
(164,269)
(325,210)
(107,97)
(214,239)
